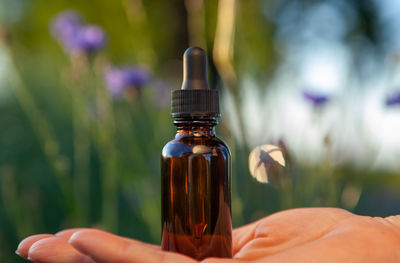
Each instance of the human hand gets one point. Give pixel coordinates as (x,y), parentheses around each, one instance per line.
(297,235)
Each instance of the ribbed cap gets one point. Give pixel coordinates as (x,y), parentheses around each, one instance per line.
(195,98)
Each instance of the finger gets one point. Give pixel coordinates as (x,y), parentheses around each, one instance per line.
(67,233)
(56,250)
(26,244)
(105,247)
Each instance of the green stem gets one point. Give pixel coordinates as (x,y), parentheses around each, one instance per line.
(105,140)
(81,166)
(137,18)
(109,190)
(81,126)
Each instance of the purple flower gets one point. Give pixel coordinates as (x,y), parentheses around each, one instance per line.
(393,100)
(316,99)
(90,38)
(135,77)
(119,79)
(115,81)
(65,27)
(69,30)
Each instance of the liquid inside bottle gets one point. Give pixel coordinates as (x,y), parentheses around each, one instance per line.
(196,193)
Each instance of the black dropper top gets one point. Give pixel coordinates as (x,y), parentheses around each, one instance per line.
(195,98)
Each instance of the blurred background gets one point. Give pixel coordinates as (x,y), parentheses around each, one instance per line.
(85,93)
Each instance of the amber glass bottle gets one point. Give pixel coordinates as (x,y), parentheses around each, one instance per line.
(196,170)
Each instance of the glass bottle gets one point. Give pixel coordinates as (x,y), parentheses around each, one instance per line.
(196,170)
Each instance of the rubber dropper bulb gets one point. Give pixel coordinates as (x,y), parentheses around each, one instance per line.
(195,69)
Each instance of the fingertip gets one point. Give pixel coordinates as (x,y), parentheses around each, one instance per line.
(67,233)
(55,250)
(25,244)
(85,236)
(40,249)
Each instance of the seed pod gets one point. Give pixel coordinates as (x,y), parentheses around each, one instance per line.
(266,163)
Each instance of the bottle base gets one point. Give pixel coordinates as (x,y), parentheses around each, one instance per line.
(198,248)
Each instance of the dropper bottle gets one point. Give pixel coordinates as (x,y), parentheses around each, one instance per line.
(196,170)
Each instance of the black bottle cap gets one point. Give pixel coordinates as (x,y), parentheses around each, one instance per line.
(195,98)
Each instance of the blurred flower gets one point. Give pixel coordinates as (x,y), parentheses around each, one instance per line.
(119,79)
(265,162)
(393,100)
(162,96)
(69,30)
(90,38)
(316,99)
(65,27)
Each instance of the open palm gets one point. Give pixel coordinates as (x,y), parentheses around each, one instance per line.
(297,235)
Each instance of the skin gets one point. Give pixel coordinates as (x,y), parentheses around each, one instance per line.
(299,235)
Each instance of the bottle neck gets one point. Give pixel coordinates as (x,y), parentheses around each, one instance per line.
(195,126)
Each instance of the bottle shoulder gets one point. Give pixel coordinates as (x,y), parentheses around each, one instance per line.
(195,145)
(222,144)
